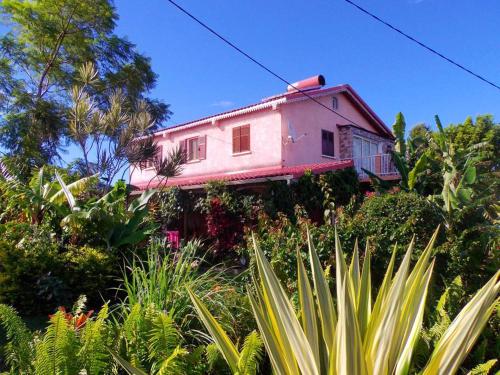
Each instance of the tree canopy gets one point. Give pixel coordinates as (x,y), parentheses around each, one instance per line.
(48,41)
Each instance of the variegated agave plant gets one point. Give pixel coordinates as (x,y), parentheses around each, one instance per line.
(356,337)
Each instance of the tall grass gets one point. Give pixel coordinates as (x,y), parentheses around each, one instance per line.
(162,278)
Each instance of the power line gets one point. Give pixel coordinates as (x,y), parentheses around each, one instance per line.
(232,45)
(422,44)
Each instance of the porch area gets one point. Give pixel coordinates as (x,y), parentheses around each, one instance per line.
(380,164)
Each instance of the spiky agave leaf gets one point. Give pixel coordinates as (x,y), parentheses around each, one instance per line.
(220,337)
(285,323)
(390,330)
(127,366)
(463,332)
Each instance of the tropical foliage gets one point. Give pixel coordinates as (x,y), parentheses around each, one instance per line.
(43,193)
(72,228)
(356,337)
(162,278)
(47,42)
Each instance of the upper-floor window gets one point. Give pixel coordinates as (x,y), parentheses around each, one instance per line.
(335,103)
(192,149)
(195,148)
(363,147)
(241,139)
(327,147)
(151,162)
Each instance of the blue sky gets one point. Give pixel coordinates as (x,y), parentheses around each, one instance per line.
(199,75)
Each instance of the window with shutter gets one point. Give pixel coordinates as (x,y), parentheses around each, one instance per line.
(202,147)
(182,148)
(192,149)
(241,139)
(327,146)
(151,162)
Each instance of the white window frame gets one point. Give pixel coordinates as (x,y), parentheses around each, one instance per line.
(335,102)
(189,149)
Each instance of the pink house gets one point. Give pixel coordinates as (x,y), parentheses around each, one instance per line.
(278,139)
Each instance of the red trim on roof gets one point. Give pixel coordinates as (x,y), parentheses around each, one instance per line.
(294,171)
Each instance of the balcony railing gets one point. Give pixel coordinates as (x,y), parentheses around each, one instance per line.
(381,165)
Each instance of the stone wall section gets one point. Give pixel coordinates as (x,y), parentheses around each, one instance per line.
(346,133)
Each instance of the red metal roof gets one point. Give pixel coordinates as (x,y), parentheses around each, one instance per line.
(259,173)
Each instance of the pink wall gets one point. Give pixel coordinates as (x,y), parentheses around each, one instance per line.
(307,117)
(265,146)
(269,141)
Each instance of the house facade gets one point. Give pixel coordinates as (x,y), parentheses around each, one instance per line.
(313,128)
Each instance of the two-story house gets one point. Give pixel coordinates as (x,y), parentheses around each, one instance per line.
(278,139)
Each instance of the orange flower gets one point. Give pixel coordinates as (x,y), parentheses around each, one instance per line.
(78,320)
(82,319)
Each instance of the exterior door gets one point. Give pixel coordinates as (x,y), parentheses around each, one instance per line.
(363,152)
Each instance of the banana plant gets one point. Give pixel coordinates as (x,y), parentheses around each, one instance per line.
(118,230)
(42,193)
(359,336)
(458,176)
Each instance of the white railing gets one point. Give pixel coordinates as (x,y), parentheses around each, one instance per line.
(381,165)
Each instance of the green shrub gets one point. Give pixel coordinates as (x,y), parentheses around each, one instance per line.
(309,192)
(91,272)
(30,272)
(388,218)
(38,273)
(280,238)
(167,206)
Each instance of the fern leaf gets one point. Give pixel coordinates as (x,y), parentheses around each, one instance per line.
(213,355)
(93,355)
(163,338)
(483,368)
(173,365)
(56,352)
(250,355)
(19,349)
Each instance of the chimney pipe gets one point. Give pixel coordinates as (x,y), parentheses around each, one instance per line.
(307,84)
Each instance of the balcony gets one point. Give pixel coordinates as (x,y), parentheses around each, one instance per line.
(381,165)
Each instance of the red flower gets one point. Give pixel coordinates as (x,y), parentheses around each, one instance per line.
(78,320)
